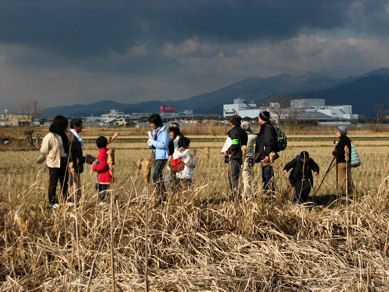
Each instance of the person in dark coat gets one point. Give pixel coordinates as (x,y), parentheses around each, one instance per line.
(301,175)
(265,145)
(234,153)
(343,166)
(76,158)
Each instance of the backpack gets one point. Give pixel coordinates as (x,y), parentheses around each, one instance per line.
(281,140)
(176,165)
(355,161)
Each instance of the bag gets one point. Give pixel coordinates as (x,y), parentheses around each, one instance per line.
(281,140)
(355,161)
(176,165)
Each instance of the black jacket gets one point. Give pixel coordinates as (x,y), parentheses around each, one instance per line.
(75,154)
(239,138)
(300,171)
(339,149)
(266,141)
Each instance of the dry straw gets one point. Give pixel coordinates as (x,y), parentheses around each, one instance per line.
(197,240)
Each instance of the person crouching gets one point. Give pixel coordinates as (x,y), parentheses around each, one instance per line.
(301,175)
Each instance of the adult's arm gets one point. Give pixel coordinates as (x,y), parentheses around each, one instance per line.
(290,164)
(164,141)
(314,166)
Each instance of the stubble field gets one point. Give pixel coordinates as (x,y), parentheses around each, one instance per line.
(198,239)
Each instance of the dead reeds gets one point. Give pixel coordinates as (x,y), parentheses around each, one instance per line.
(197,240)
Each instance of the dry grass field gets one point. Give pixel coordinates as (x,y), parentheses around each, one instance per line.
(199,239)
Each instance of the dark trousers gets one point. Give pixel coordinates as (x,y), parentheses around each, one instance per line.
(61,175)
(158,178)
(102,189)
(268,179)
(302,188)
(233,175)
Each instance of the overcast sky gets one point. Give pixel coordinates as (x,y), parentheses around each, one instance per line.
(67,52)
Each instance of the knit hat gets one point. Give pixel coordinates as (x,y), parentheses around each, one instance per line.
(245,125)
(265,115)
(174,125)
(342,130)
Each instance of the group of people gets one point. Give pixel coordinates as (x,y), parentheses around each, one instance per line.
(247,148)
(63,154)
(170,145)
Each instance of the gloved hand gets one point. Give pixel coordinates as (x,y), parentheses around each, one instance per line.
(150,143)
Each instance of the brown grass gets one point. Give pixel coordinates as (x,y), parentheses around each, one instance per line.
(198,240)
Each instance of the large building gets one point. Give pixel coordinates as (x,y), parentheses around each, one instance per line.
(7,119)
(299,109)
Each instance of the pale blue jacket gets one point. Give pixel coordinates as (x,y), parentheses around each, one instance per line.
(161,144)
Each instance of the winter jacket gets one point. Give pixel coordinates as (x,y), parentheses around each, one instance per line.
(75,154)
(102,167)
(251,139)
(161,144)
(339,149)
(51,151)
(266,141)
(189,163)
(300,171)
(239,138)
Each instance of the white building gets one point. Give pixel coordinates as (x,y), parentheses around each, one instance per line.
(300,109)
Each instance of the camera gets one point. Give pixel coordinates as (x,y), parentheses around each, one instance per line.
(226,159)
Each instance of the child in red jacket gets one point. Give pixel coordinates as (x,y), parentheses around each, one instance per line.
(104,178)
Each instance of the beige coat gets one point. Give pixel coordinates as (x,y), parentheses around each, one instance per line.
(50,151)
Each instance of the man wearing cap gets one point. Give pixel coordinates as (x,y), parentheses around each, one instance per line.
(265,144)
(248,162)
(234,152)
(343,166)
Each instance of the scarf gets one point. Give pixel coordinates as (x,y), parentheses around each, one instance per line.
(74,132)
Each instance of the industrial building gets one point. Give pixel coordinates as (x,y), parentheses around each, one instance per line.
(299,109)
(12,120)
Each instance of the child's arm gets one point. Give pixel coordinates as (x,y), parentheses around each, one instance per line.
(101,165)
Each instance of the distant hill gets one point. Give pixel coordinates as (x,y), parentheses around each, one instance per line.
(360,91)
(254,88)
(84,110)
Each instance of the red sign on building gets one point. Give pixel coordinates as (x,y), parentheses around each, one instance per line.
(166,109)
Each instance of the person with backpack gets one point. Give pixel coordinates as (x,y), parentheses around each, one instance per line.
(159,141)
(248,163)
(342,164)
(301,175)
(234,154)
(265,151)
(183,163)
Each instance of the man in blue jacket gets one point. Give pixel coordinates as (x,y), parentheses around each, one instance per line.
(159,141)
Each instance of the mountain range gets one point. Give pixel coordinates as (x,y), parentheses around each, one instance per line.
(363,92)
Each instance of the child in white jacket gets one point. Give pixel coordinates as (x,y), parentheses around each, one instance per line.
(185,176)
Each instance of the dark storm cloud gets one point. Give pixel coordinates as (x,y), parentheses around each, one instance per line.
(90,28)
